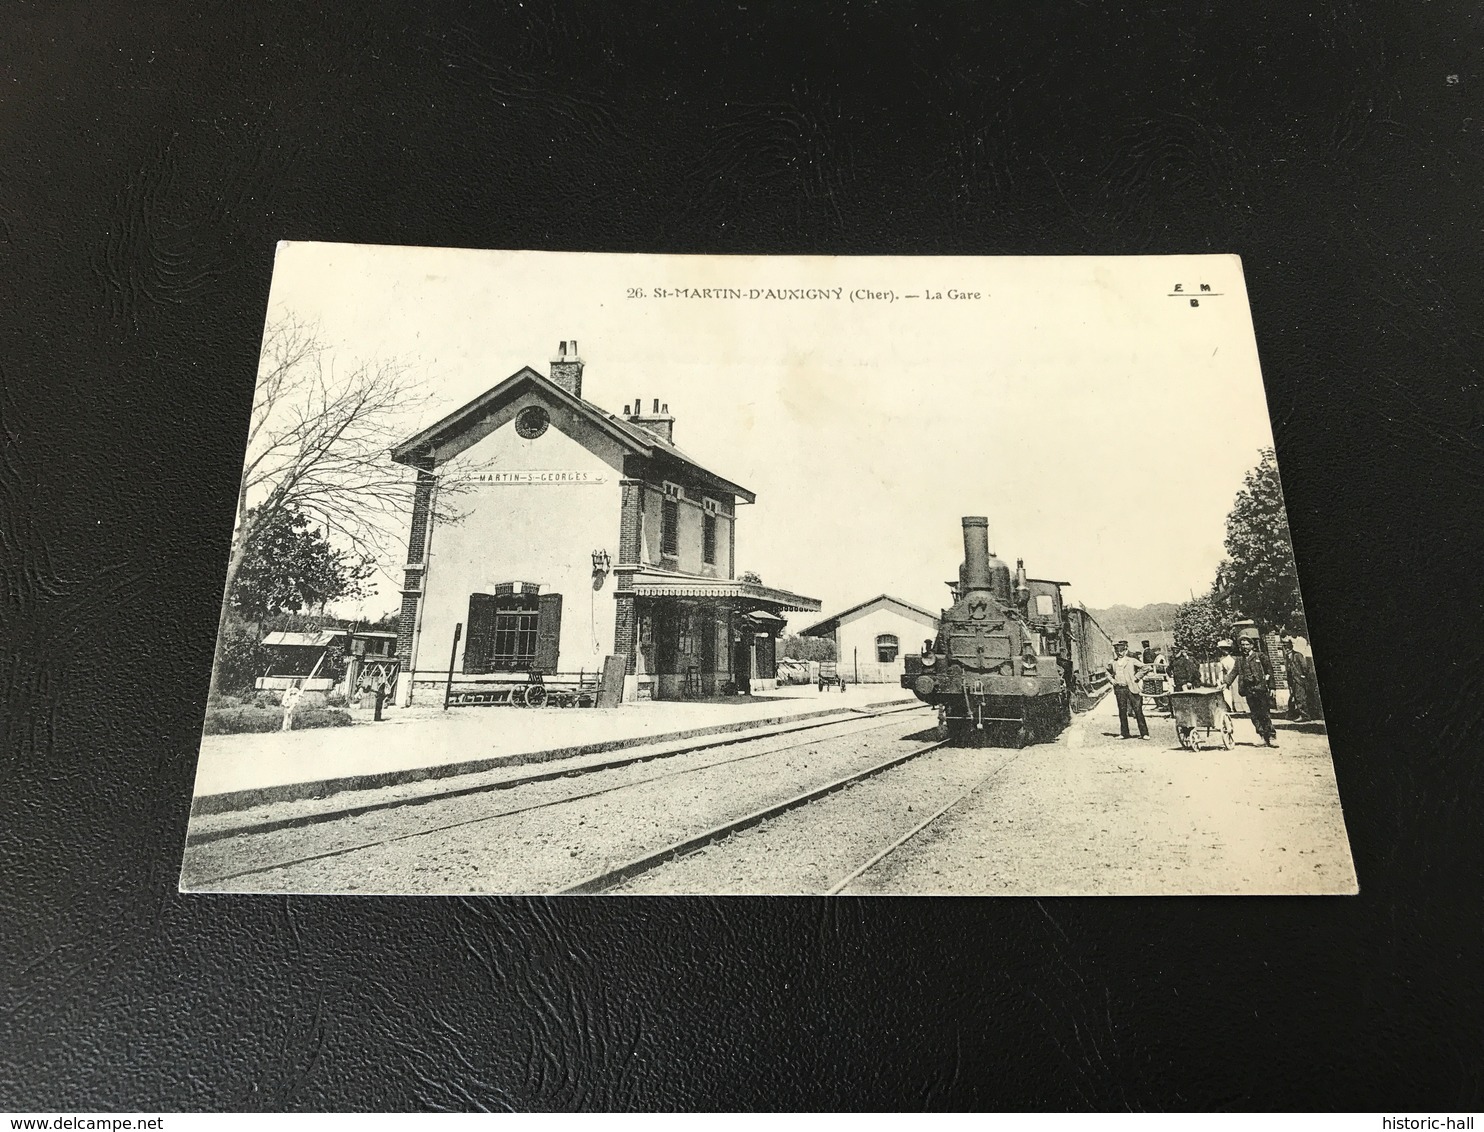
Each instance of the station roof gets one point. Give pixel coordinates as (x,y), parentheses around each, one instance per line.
(829,624)
(633,438)
(304,640)
(663,583)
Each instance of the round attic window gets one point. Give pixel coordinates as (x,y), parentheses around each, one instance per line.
(532,422)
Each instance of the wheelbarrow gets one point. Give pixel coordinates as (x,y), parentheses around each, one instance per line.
(1200,714)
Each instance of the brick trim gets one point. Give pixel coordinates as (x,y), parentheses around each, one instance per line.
(417,548)
(626,628)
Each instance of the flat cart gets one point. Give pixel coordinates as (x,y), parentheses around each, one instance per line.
(1200,713)
(829,676)
(1156,685)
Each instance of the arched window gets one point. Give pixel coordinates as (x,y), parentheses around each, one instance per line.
(886,648)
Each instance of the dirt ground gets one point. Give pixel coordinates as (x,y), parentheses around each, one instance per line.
(1092,814)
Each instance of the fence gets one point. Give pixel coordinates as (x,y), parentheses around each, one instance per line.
(558,689)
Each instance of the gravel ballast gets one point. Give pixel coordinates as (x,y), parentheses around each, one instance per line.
(474,844)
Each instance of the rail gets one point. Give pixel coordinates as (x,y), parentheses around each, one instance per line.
(612,878)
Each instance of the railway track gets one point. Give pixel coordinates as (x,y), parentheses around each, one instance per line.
(845,882)
(205,836)
(876,722)
(612,878)
(650,862)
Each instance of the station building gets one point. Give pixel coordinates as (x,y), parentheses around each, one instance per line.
(568,534)
(871,638)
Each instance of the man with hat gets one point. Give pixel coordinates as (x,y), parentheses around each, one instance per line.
(1184,671)
(1126,672)
(1254,677)
(1300,703)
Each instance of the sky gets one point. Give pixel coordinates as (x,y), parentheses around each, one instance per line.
(1100,421)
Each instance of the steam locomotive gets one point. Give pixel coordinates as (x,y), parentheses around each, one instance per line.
(1010,662)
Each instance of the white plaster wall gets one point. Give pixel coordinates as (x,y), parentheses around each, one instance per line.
(527,533)
(859,631)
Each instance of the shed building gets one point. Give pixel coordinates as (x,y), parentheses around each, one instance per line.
(871,638)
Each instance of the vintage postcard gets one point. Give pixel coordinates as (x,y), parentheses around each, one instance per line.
(578,573)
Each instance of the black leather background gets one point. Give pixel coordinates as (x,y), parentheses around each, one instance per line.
(153,153)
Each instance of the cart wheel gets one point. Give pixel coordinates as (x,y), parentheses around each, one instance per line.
(535,695)
(1228,738)
(518,696)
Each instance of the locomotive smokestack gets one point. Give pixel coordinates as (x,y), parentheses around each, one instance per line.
(981,569)
(976,554)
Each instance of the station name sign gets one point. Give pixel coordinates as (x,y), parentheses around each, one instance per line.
(552,477)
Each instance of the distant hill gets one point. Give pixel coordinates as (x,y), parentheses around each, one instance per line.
(1126,623)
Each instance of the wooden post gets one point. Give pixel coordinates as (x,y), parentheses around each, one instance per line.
(458,631)
(855,660)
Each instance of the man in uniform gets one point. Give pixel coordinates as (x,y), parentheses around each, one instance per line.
(1254,678)
(1126,673)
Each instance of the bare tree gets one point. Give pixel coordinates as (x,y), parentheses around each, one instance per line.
(318,444)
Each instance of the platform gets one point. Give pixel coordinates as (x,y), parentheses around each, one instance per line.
(416,743)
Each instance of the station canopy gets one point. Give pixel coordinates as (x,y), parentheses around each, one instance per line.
(743,595)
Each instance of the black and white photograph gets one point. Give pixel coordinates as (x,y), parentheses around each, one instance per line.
(570,573)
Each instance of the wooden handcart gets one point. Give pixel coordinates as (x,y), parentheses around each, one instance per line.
(1200,714)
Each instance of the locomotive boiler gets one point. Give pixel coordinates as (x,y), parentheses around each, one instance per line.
(1001,670)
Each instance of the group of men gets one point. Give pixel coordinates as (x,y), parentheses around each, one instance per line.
(1250,672)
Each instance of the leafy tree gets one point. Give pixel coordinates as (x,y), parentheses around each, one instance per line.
(241,657)
(751,577)
(317,444)
(1259,578)
(387,622)
(289,566)
(808,648)
(1200,623)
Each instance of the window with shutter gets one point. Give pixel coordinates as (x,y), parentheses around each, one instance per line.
(708,539)
(480,629)
(670,528)
(548,633)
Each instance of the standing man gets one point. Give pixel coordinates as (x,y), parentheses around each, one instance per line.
(1228,666)
(1254,677)
(1126,673)
(1184,670)
(1150,652)
(1298,688)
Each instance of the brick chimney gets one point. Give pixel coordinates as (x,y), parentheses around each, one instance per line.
(566,368)
(659,422)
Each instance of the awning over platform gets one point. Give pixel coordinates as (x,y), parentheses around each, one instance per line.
(657,583)
(303,640)
(763,617)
